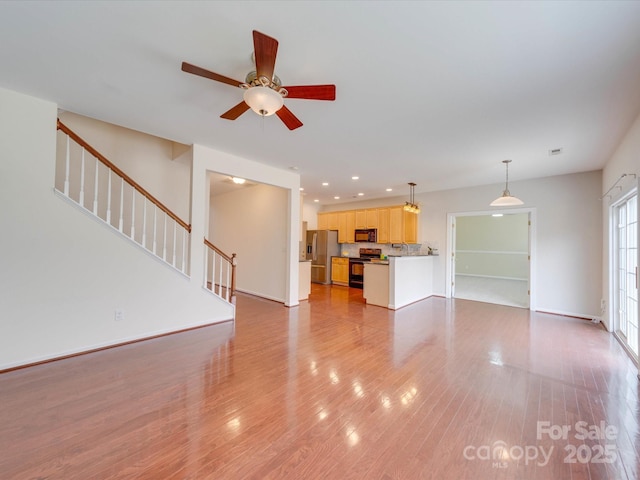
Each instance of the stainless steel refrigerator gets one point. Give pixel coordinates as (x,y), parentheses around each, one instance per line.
(321,246)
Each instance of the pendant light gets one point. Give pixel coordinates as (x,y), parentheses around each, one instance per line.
(506,199)
(411,205)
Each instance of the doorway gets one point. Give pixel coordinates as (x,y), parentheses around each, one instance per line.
(625,268)
(491,256)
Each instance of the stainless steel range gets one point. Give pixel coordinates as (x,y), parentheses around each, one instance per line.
(356,266)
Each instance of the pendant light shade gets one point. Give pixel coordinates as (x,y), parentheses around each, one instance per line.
(506,199)
(411,206)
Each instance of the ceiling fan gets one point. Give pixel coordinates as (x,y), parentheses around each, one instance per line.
(264,92)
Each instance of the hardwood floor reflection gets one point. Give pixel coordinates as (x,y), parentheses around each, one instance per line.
(334,389)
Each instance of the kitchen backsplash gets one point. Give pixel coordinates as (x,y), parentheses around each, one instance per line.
(353,250)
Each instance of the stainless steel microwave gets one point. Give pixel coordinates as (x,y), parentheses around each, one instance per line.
(368,235)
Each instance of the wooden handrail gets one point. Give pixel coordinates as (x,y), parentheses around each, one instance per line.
(231,259)
(125,177)
(228,258)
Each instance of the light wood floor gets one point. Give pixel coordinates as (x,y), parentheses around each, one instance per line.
(333,389)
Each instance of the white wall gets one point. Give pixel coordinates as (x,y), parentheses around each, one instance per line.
(205,160)
(626,159)
(64,273)
(160,166)
(568,239)
(493,246)
(252,222)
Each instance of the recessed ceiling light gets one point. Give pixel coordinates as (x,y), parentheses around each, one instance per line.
(316,200)
(301,189)
(496,214)
(360,194)
(238,180)
(355,178)
(389,189)
(336,198)
(325,184)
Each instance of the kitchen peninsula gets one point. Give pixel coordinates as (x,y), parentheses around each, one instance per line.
(400,281)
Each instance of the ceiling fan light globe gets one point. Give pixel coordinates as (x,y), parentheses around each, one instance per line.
(263,100)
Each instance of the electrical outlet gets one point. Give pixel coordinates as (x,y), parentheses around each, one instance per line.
(603,305)
(119,316)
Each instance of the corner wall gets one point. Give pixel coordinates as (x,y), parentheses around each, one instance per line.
(63,272)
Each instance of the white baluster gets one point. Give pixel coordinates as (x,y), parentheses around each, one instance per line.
(220,276)
(133,215)
(144,222)
(206,265)
(184,246)
(121,219)
(175,227)
(228,282)
(109,197)
(81,198)
(155,211)
(95,187)
(66,171)
(164,237)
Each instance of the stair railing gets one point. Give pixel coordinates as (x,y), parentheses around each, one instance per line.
(219,272)
(100,187)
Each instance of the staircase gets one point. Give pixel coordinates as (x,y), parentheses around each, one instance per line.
(103,190)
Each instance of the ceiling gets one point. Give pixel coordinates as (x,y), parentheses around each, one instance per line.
(437,93)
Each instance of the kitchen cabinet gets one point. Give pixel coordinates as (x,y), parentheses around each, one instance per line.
(394,224)
(410,227)
(361,219)
(372,218)
(332,221)
(323,221)
(383,225)
(346,226)
(403,226)
(340,271)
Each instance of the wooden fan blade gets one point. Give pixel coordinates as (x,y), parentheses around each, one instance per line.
(288,118)
(236,111)
(187,67)
(312,92)
(265,49)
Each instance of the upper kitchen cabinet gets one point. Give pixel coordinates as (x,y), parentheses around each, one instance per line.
(372,218)
(332,221)
(366,218)
(346,226)
(361,219)
(383,225)
(403,226)
(323,221)
(328,221)
(394,224)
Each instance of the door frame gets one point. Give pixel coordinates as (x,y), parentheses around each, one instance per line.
(451,248)
(612,301)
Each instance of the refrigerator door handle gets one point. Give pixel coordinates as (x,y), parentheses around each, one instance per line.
(314,247)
